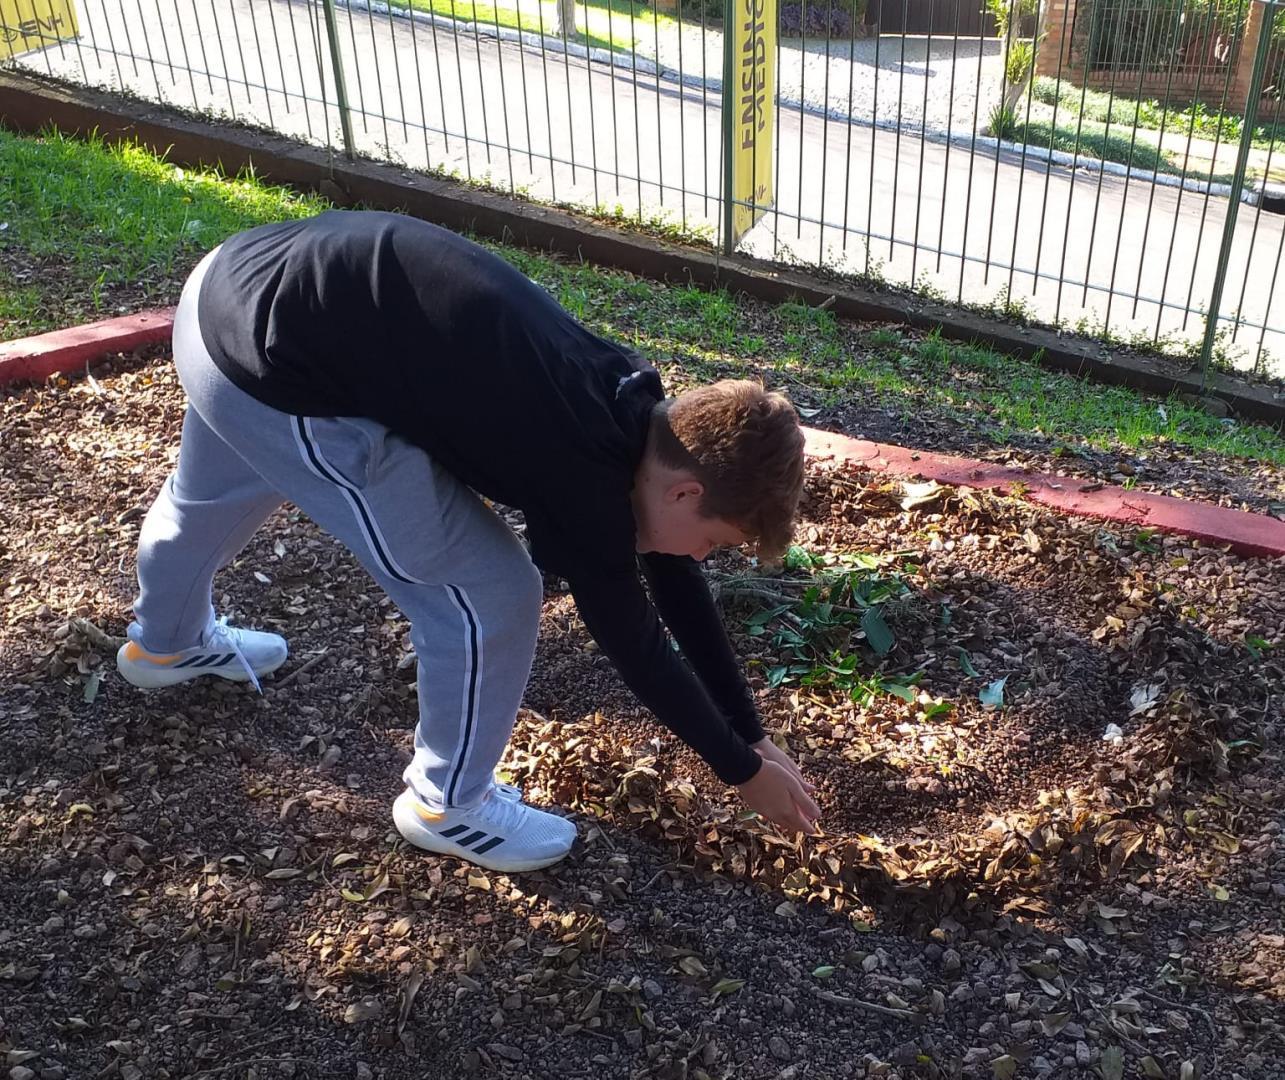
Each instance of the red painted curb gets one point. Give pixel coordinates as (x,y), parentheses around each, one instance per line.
(1245,533)
(71,349)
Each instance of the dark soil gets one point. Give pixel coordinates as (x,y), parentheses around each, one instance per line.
(205,882)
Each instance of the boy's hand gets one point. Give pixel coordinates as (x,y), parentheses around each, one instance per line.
(778,794)
(769,751)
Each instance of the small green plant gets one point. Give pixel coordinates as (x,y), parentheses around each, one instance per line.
(1145,542)
(1257,646)
(817,622)
(1021,56)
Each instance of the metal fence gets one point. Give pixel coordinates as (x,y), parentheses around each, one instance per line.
(883,163)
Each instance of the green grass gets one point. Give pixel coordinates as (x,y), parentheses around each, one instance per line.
(21,306)
(122,214)
(822,360)
(119,216)
(604,24)
(1093,140)
(1148,113)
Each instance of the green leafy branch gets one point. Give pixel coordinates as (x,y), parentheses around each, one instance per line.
(816,622)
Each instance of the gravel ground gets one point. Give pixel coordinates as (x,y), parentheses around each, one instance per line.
(936,84)
(203,882)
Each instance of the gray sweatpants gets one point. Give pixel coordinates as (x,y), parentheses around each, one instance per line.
(447,560)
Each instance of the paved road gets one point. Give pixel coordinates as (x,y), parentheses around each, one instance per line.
(1070,245)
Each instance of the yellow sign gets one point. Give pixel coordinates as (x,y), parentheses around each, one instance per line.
(754,94)
(32,24)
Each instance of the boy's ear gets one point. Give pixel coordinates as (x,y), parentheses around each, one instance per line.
(687,488)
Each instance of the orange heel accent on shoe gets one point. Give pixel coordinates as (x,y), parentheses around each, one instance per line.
(428,815)
(135,652)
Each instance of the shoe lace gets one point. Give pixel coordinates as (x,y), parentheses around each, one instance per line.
(227,635)
(504,816)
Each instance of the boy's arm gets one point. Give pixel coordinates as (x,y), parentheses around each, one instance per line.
(683,598)
(617,613)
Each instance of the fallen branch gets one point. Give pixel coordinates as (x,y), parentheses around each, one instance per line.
(301,669)
(657,876)
(1183,1006)
(728,589)
(869,1006)
(252,1061)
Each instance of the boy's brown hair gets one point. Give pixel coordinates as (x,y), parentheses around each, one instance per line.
(744,444)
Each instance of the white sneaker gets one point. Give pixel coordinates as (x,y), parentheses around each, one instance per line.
(226,651)
(501,833)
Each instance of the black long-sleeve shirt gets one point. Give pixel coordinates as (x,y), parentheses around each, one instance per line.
(362,313)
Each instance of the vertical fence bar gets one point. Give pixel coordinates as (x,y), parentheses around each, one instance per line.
(825,137)
(223,59)
(281,65)
(972,157)
(341,94)
(896,156)
(776,149)
(240,53)
(1151,196)
(1186,160)
(611,92)
(1064,50)
(1237,183)
(147,43)
(1128,173)
(298,57)
(548,114)
(374,51)
(1243,10)
(923,144)
(419,88)
(1075,154)
(1026,137)
(319,52)
(729,124)
(660,123)
(997,124)
(362,111)
(397,68)
(633,83)
(263,68)
(950,118)
(852,67)
(1267,168)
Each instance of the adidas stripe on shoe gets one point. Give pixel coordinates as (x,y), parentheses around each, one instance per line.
(226,651)
(501,833)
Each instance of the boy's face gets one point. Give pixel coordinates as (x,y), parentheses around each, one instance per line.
(669,522)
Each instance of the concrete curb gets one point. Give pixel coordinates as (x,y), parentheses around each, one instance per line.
(1243,532)
(70,350)
(64,351)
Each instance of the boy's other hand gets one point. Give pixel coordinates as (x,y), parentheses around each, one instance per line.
(778,794)
(769,751)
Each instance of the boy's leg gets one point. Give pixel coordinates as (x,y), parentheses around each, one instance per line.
(206,512)
(450,564)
